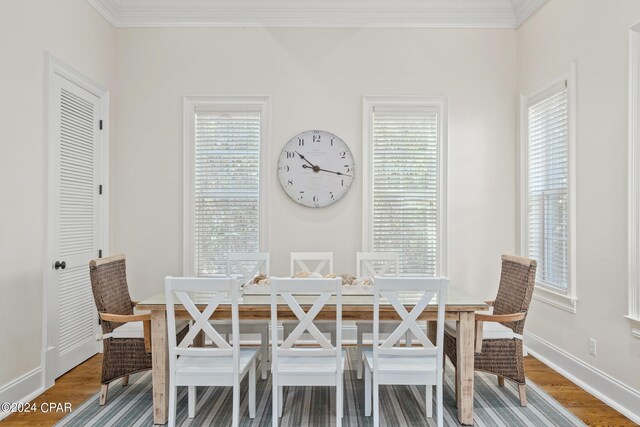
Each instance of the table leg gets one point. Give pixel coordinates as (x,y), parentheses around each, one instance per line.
(464,364)
(160,366)
(198,340)
(432,331)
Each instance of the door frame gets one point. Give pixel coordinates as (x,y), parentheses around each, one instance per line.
(55,67)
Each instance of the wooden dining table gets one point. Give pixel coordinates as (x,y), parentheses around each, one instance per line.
(461,307)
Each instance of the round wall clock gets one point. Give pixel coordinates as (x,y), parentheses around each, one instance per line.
(316,168)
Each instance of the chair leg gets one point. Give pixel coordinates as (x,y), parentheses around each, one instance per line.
(173,394)
(500,381)
(104,389)
(439,403)
(359,360)
(252,389)
(332,330)
(280,401)
(429,401)
(338,402)
(522,391)
(376,402)
(191,400)
(265,351)
(236,402)
(408,339)
(274,400)
(287,328)
(125,381)
(367,391)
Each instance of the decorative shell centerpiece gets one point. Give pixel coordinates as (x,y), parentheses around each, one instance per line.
(350,284)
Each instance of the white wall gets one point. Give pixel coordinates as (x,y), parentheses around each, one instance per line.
(316,79)
(75,33)
(595,35)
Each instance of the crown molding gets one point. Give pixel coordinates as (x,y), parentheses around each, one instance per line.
(523,9)
(316,13)
(106,8)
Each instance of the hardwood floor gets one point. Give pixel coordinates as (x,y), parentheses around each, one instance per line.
(75,387)
(590,410)
(83,382)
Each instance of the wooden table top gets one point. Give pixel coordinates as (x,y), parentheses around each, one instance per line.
(457,300)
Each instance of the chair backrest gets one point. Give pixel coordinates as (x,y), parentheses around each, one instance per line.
(305,290)
(371,264)
(322,259)
(423,290)
(248,265)
(517,280)
(110,289)
(180,290)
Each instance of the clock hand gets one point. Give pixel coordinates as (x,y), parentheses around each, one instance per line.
(324,170)
(315,168)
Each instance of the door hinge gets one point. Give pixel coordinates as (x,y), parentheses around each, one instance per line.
(100,124)
(100,253)
(100,189)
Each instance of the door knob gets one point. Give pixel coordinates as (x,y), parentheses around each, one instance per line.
(59,265)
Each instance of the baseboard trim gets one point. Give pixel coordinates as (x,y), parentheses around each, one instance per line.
(611,391)
(22,389)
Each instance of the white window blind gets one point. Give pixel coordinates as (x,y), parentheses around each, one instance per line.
(405,186)
(226,193)
(548,189)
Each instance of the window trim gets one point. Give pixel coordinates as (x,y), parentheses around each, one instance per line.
(261,104)
(633,314)
(437,102)
(565,301)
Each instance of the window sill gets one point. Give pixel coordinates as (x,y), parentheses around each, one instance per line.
(558,300)
(635,325)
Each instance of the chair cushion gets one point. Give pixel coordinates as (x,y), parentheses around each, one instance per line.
(213,365)
(490,330)
(136,329)
(401,364)
(129,330)
(313,364)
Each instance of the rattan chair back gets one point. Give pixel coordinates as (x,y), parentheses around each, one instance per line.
(517,280)
(110,289)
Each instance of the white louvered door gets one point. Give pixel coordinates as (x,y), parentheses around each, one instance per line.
(76,220)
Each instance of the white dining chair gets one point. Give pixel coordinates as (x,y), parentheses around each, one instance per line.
(321,263)
(387,364)
(248,266)
(320,363)
(371,264)
(223,365)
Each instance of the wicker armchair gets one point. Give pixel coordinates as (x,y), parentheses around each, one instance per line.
(124,333)
(499,335)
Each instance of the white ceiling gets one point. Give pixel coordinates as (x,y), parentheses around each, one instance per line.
(318,13)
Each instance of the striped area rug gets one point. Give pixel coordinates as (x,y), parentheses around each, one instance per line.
(315,406)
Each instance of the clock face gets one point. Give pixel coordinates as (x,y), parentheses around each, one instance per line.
(316,168)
